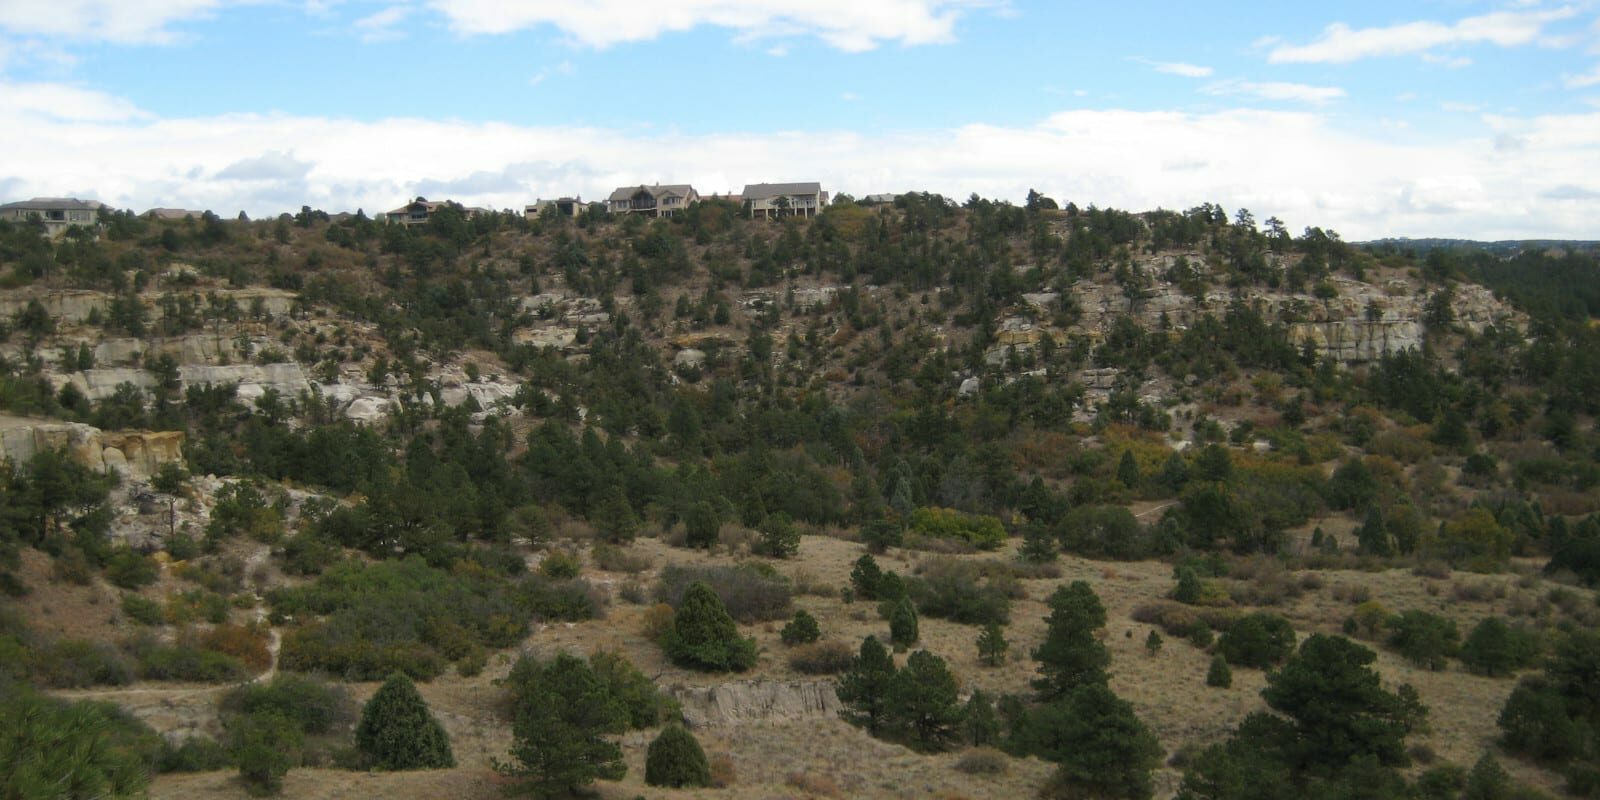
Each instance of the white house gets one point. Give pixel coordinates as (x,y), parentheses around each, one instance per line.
(660,200)
(57,213)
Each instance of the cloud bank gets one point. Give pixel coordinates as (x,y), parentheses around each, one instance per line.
(1514,181)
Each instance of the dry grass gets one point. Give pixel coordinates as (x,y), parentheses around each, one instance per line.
(758,759)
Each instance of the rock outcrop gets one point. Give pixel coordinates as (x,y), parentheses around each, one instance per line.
(136,454)
(756,701)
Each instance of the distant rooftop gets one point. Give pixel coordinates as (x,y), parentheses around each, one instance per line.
(52,203)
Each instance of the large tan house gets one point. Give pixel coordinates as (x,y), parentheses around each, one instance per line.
(660,200)
(767,200)
(57,213)
(420,210)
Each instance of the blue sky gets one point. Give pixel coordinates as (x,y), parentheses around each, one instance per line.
(1441,117)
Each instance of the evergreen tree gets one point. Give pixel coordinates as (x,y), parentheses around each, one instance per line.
(866,577)
(1152,643)
(701,526)
(1487,781)
(981,723)
(1189,588)
(613,515)
(265,745)
(559,718)
(398,732)
(1038,544)
(1373,536)
(1174,473)
(676,760)
(800,630)
(779,537)
(1219,676)
(881,534)
(1070,655)
(903,624)
(992,645)
(1495,649)
(1213,464)
(1128,471)
(924,703)
(1102,748)
(51,748)
(865,688)
(704,636)
(1338,709)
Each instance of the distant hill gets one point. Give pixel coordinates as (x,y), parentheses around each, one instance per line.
(1508,247)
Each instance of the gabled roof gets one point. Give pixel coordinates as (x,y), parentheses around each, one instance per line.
(658,190)
(53,203)
(766,191)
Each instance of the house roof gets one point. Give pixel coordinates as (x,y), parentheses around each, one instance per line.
(174,213)
(427,205)
(53,203)
(767,191)
(658,190)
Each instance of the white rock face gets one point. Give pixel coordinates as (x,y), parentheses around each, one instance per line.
(756,701)
(689,357)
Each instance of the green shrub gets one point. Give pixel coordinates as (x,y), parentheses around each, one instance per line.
(1258,640)
(142,610)
(779,538)
(747,593)
(560,564)
(1496,649)
(74,664)
(1219,675)
(316,707)
(675,760)
(903,627)
(981,531)
(828,657)
(960,592)
(645,704)
(703,635)
(800,630)
(265,746)
(130,570)
(398,732)
(182,661)
(196,754)
(1427,640)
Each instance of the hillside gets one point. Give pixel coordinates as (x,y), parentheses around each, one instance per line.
(330,446)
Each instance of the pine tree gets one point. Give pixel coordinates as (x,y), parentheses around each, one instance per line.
(1189,589)
(675,760)
(923,701)
(779,537)
(992,645)
(561,713)
(1219,676)
(1128,470)
(701,526)
(881,534)
(981,723)
(1373,536)
(613,515)
(903,624)
(1152,643)
(800,630)
(398,732)
(865,577)
(1487,781)
(704,636)
(1104,750)
(1070,655)
(1038,544)
(865,688)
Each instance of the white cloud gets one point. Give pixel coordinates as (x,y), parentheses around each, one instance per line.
(1277,91)
(61,102)
(383,25)
(1297,165)
(1584,80)
(849,25)
(122,21)
(564,68)
(1180,69)
(1341,44)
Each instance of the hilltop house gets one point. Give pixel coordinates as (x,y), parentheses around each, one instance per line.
(57,213)
(561,207)
(767,200)
(420,210)
(652,201)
